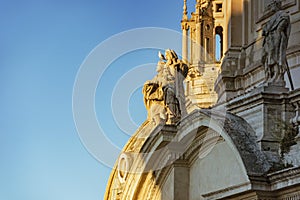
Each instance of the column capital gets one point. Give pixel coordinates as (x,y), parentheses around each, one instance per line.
(185,26)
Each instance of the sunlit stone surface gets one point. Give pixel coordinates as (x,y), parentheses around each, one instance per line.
(235,132)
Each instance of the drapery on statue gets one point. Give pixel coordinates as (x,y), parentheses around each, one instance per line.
(162,93)
(276,33)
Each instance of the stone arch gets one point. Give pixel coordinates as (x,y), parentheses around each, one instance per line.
(237,133)
(231,134)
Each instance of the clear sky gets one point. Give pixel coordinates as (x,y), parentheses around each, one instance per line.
(43,43)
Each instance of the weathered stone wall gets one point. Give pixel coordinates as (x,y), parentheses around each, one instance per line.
(241,69)
(219,170)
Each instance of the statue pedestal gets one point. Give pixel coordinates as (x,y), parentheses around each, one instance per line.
(267,109)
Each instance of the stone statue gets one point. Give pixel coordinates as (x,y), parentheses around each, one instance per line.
(162,94)
(276,33)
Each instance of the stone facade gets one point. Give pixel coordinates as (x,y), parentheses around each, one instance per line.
(241,69)
(239,136)
(199,48)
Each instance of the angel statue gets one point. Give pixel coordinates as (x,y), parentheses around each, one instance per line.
(163,94)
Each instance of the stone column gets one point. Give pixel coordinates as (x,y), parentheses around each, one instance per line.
(185,41)
(198,43)
(181,180)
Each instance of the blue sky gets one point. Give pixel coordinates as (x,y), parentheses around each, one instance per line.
(43,44)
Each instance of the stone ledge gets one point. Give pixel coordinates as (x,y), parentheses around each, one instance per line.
(228,191)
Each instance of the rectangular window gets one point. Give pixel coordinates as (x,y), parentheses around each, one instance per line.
(219,7)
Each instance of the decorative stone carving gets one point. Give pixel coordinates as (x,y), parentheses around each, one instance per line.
(164,94)
(276,33)
(124,165)
(296,119)
(254,153)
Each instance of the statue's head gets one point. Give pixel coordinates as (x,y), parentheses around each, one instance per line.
(171,54)
(275,5)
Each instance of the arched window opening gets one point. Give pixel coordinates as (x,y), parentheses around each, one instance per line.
(219,43)
(218,49)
